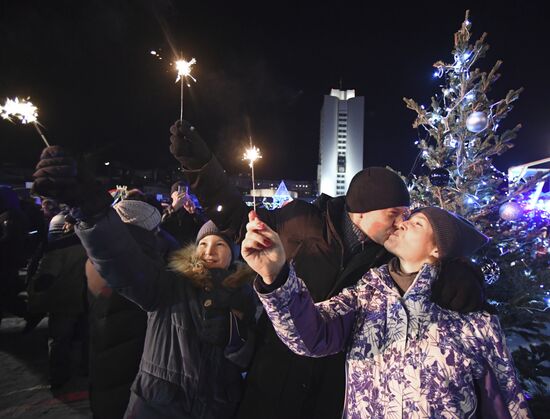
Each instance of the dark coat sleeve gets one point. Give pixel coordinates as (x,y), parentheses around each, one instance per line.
(223,204)
(121,262)
(221,199)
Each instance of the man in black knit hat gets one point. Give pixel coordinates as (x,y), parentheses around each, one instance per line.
(334,240)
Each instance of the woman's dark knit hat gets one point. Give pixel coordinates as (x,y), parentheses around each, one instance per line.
(454,235)
(376,188)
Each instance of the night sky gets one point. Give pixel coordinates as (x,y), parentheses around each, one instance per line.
(88,67)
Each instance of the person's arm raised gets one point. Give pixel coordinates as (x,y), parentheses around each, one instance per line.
(108,243)
(218,196)
(262,249)
(306,328)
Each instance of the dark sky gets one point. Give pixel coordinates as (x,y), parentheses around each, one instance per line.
(87,66)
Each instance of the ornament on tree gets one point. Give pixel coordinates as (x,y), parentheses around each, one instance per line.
(510,211)
(491,271)
(476,122)
(450,141)
(439,177)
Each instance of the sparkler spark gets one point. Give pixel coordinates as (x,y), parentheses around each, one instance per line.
(252,154)
(156,54)
(23,110)
(184,69)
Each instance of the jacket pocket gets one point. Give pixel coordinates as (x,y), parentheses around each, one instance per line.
(154,389)
(180,316)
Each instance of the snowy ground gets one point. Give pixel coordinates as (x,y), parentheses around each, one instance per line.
(24,389)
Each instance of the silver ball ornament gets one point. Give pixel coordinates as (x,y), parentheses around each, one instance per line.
(476,122)
(439,177)
(510,211)
(491,271)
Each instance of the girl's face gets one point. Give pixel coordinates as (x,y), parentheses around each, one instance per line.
(413,241)
(214,252)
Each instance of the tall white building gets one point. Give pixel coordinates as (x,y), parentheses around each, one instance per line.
(341,145)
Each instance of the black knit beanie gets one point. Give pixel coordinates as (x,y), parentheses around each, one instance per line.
(454,235)
(376,188)
(208,229)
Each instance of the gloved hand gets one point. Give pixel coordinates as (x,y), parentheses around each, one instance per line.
(187,146)
(459,287)
(58,176)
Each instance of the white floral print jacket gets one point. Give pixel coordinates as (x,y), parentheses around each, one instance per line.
(406,356)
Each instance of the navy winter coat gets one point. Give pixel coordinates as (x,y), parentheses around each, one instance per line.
(185,370)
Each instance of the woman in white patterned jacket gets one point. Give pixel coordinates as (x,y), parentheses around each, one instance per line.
(406,356)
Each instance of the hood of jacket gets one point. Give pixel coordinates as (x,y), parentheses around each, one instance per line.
(186,262)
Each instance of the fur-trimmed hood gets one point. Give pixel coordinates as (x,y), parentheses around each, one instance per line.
(186,262)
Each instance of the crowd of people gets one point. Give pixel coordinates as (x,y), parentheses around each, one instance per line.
(349,306)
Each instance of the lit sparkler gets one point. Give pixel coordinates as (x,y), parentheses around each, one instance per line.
(184,72)
(23,110)
(252,154)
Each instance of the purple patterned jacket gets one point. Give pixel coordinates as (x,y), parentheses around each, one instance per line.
(406,356)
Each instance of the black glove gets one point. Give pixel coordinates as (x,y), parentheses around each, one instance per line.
(459,287)
(58,176)
(187,146)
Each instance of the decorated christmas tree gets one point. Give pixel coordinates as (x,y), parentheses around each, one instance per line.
(459,135)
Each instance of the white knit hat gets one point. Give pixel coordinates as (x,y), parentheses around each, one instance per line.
(138,213)
(55,230)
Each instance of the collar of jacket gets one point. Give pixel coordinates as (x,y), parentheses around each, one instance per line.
(372,254)
(185,262)
(333,210)
(420,288)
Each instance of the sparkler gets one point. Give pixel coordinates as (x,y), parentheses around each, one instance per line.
(184,72)
(252,154)
(23,110)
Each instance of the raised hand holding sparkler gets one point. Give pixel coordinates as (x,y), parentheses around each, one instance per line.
(252,154)
(184,72)
(23,110)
